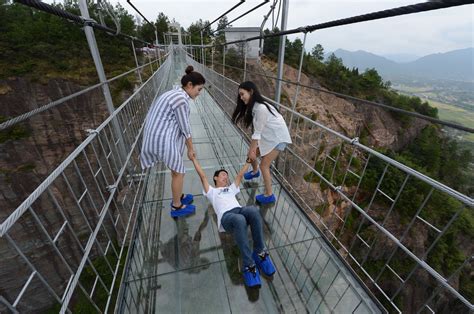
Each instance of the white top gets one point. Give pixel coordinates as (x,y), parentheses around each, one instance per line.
(223,200)
(269,129)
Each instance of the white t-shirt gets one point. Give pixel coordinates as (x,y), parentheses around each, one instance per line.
(223,200)
(269,129)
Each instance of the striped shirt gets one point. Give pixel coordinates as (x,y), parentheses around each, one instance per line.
(166,130)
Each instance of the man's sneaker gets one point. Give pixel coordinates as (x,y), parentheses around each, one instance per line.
(252,276)
(250,175)
(182,211)
(264,263)
(262,199)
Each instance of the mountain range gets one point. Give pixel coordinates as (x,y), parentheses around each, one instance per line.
(453,65)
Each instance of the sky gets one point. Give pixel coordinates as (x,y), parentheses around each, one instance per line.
(415,34)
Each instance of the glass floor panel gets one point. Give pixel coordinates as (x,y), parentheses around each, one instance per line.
(186,266)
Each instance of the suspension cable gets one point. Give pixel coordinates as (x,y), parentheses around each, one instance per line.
(103,5)
(278,14)
(409,9)
(77,19)
(363,101)
(138,11)
(11,122)
(222,15)
(242,15)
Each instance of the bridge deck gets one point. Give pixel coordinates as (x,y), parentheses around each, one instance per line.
(187,266)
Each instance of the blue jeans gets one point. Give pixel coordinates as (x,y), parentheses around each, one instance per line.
(235,221)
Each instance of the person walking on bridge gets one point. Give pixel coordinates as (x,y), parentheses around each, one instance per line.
(270,134)
(167,131)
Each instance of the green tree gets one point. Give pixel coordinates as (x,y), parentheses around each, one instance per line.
(293,52)
(334,74)
(220,34)
(270,45)
(370,83)
(33,43)
(161,25)
(147,32)
(318,52)
(194,30)
(221,25)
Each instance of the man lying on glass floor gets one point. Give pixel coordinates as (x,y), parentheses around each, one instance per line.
(233,218)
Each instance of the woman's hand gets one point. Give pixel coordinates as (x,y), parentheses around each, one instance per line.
(252,155)
(191,154)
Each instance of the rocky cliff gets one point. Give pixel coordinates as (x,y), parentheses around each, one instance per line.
(376,128)
(29,152)
(47,138)
(383,128)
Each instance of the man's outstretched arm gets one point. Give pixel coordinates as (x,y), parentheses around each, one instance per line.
(244,169)
(202,175)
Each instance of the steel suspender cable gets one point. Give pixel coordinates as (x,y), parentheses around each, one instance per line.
(242,15)
(103,5)
(362,101)
(409,9)
(129,2)
(277,16)
(223,14)
(416,8)
(27,115)
(77,19)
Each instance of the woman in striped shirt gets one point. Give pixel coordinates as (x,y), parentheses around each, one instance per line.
(270,134)
(167,131)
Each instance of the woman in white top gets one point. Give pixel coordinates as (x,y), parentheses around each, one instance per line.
(270,134)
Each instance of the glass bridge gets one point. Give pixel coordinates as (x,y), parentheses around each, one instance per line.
(186,266)
(104,241)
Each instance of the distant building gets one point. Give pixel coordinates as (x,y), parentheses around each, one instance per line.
(239,33)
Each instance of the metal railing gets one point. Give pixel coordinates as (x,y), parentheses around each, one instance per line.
(94,194)
(64,247)
(306,263)
(358,195)
(68,239)
(85,92)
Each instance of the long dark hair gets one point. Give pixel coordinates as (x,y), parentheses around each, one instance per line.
(192,76)
(245,111)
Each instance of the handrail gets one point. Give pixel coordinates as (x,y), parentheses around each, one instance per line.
(20,210)
(11,122)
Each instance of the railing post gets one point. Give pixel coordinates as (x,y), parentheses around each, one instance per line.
(202,48)
(298,82)
(100,72)
(223,68)
(185,45)
(223,60)
(281,51)
(136,62)
(245,61)
(151,63)
(96,57)
(296,98)
(157,48)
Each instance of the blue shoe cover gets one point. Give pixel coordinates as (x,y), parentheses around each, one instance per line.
(252,277)
(264,263)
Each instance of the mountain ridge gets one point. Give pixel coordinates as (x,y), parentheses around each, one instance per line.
(454,65)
